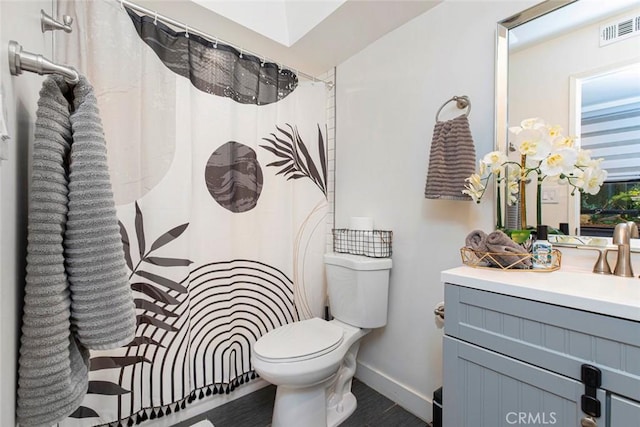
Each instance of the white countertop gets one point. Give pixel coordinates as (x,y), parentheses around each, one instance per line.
(568,287)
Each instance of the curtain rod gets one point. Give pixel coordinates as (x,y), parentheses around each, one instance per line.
(188,29)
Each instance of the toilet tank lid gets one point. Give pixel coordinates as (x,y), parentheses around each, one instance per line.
(357,262)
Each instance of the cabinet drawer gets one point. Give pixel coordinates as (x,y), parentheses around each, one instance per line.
(555,338)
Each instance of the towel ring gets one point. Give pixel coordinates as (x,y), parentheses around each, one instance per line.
(461,102)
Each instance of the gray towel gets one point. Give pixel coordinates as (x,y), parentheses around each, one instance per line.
(498,242)
(77,295)
(477,240)
(452,160)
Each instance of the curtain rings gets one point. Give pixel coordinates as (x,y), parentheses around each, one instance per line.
(461,102)
(186,31)
(155,18)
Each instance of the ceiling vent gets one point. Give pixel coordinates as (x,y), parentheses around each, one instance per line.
(619,30)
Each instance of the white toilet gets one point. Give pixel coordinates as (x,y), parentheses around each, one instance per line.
(313,361)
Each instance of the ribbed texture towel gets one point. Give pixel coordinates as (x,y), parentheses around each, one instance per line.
(499,243)
(477,240)
(452,159)
(77,295)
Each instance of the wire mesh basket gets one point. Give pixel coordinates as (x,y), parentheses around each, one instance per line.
(371,243)
(507,261)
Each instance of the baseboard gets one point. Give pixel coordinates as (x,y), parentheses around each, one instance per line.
(409,399)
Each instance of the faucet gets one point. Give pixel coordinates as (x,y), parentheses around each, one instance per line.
(622,237)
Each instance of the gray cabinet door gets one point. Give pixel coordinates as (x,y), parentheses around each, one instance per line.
(486,389)
(624,412)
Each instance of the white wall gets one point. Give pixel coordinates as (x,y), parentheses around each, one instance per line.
(539,86)
(19,21)
(387,98)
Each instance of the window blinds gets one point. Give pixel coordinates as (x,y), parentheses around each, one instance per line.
(613,133)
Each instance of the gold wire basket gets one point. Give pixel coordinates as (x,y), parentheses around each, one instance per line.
(507,261)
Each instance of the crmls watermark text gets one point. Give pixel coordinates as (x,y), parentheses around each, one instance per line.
(531,418)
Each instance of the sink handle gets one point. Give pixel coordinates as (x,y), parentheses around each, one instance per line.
(602,265)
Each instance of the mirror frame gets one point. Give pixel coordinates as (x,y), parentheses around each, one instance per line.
(501,122)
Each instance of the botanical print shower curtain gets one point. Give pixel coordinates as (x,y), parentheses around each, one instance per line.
(219,174)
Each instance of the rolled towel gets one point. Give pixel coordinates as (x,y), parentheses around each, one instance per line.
(500,243)
(477,240)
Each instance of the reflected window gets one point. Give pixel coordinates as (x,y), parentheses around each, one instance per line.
(616,202)
(610,128)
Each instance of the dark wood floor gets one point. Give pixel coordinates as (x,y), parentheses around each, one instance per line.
(254,410)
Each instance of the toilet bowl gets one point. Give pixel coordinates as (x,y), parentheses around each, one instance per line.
(314,378)
(312,362)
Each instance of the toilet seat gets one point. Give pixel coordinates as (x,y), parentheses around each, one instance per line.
(298,341)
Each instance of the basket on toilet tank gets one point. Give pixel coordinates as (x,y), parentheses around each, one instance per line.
(370,243)
(358,289)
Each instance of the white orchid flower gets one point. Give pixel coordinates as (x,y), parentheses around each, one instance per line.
(515,130)
(573,177)
(527,124)
(584,158)
(513,188)
(592,180)
(474,188)
(594,163)
(562,141)
(475,180)
(513,173)
(527,141)
(473,193)
(532,123)
(554,131)
(483,171)
(495,161)
(560,161)
(512,183)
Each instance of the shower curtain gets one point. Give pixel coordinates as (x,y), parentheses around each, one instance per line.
(219,174)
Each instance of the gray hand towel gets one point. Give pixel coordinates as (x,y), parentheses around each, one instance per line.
(498,242)
(451,161)
(77,295)
(477,240)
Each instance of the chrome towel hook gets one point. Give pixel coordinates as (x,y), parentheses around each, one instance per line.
(20,60)
(461,102)
(47,23)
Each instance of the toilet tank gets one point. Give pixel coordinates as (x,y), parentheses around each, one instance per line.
(358,289)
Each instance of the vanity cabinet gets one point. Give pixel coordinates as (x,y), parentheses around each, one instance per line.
(514,356)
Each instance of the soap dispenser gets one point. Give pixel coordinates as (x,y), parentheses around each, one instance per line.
(542,249)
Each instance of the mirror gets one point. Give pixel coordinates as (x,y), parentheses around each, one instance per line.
(545,58)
